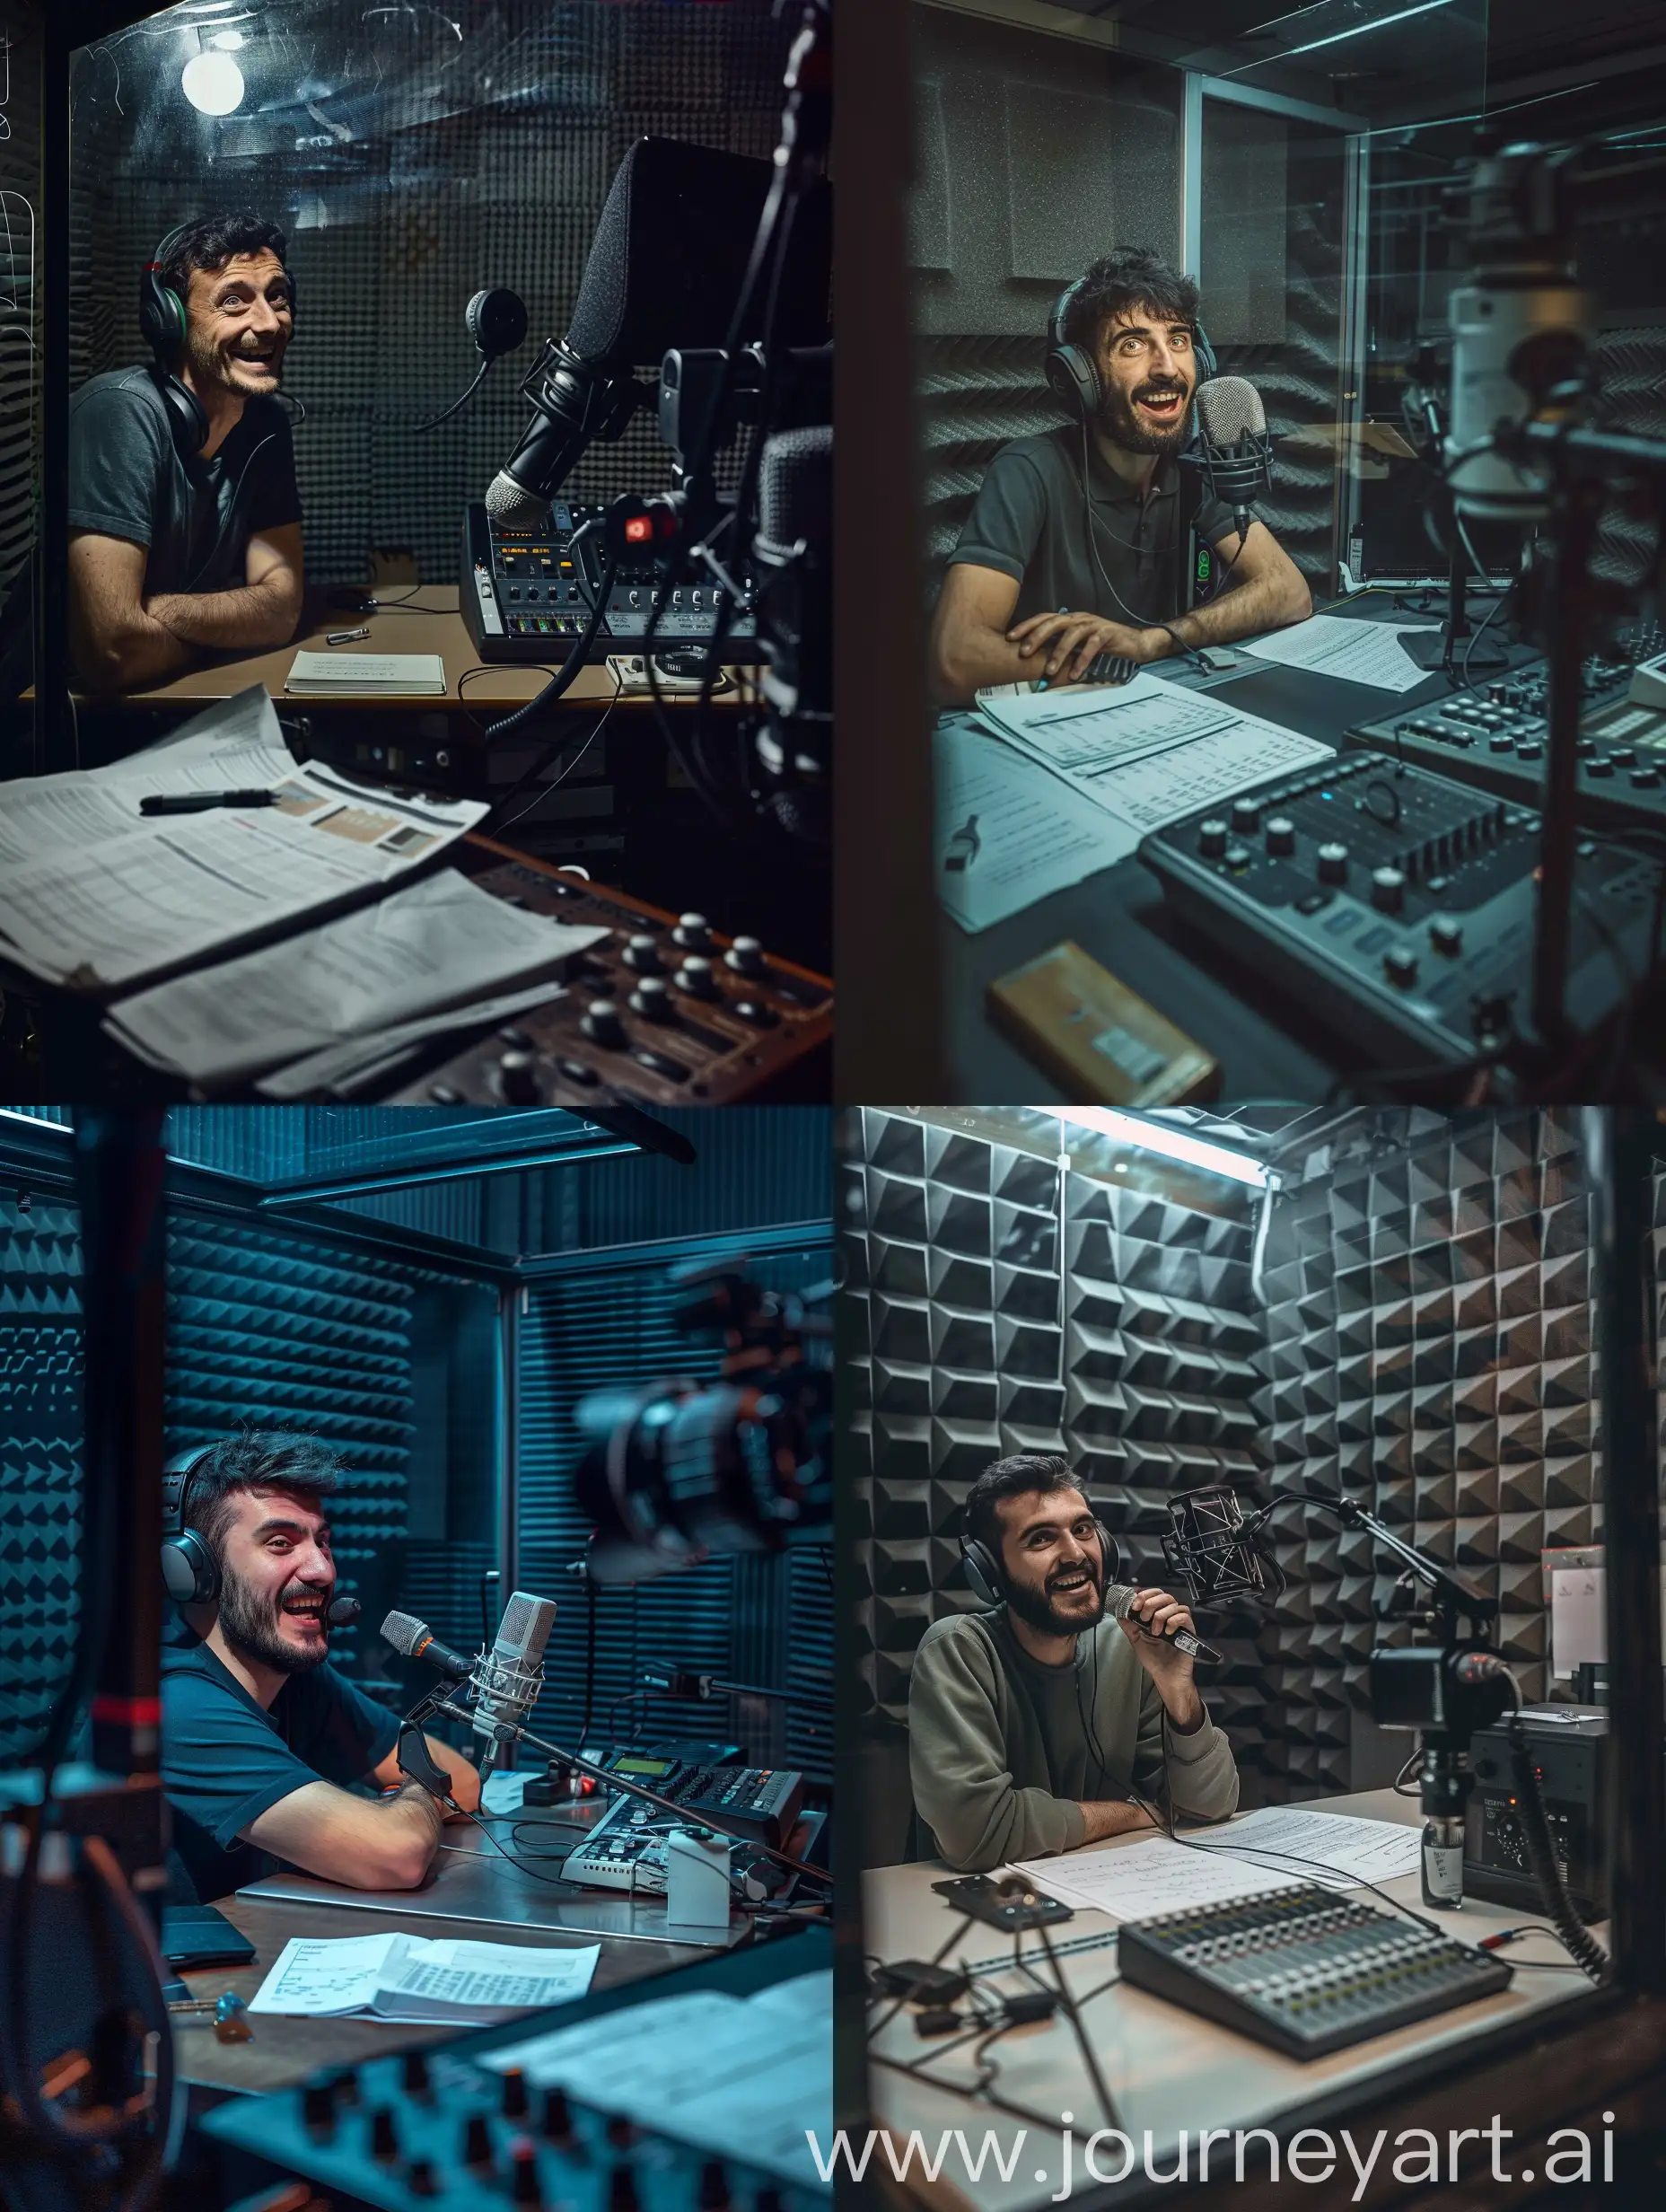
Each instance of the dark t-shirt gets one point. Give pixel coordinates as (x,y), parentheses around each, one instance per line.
(1030,523)
(129,479)
(226,1760)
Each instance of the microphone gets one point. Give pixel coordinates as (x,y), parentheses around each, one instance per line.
(1232,446)
(792,554)
(1217,1549)
(1120,1604)
(510,1679)
(342,1612)
(417,1640)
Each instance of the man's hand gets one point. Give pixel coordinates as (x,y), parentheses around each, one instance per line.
(1071,641)
(1170,1669)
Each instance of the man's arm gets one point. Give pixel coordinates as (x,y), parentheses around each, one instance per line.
(464,1779)
(1112,1817)
(386,1844)
(123,641)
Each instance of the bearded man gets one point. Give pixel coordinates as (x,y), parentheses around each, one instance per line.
(1031,1727)
(1077,542)
(262,1739)
(185,521)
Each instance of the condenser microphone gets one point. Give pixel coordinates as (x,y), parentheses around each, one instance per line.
(510,1677)
(1218,1548)
(1231,448)
(1120,1604)
(792,560)
(417,1640)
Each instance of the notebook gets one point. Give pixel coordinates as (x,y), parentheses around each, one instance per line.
(393,672)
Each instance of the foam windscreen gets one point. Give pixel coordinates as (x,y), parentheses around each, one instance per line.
(796,489)
(524,1629)
(1229,407)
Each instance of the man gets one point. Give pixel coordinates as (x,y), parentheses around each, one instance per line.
(260,1735)
(185,523)
(1072,547)
(1029,1727)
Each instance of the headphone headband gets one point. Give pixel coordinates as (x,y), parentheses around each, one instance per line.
(1072,371)
(988,1576)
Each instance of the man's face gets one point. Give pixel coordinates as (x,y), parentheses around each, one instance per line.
(239,322)
(277,1577)
(1055,1564)
(1149,373)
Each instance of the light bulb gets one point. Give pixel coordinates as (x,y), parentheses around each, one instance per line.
(213,84)
(229,41)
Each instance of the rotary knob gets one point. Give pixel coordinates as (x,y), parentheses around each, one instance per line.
(384,2142)
(524,2189)
(1333,863)
(643,955)
(1388,889)
(1446,934)
(692,933)
(517,1078)
(557,2119)
(1246,816)
(602,1022)
(515,2103)
(695,976)
(1399,964)
(653,999)
(714,2193)
(414,2074)
(1212,838)
(745,956)
(477,2141)
(318,2103)
(421,2178)
(1281,834)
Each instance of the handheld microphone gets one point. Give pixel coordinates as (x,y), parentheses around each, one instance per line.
(342,1612)
(1232,447)
(1120,1604)
(417,1640)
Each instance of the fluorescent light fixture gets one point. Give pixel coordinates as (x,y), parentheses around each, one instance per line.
(1334,37)
(1174,1144)
(213,84)
(229,41)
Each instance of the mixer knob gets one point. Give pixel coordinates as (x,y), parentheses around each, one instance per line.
(517,1079)
(1501,741)
(524,2189)
(622,2190)
(515,2102)
(1623,756)
(746,955)
(1499,692)
(1212,838)
(384,2142)
(695,976)
(477,2141)
(767,2199)
(347,2090)
(421,2179)
(1530,748)
(414,2074)
(1399,964)
(714,2195)
(1388,889)
(643,955)
(602,1022)
(557,2120)
(620,2132)
(318,2103)
(1237,856)
(1598,764)
(1246,816)
(1646,779)
(653,999)
(1446,934)
(1281,834)
(1333,863)
(693,932)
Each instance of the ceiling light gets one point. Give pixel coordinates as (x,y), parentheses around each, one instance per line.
(1152,1136)
(213,84)
(229,41)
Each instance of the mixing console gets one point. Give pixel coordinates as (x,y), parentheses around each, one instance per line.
(1401,905)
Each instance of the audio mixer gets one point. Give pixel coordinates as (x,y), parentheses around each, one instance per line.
(1495,735)
(527,594)
(1401,906)
(662,1011)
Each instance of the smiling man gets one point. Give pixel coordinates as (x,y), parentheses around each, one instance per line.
(262,1739)
(185,521)
(1029,1726)
(1075,544)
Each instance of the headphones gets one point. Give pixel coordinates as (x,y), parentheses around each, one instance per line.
(987,1576)
(1073,375)
(190,1573)
(162,323)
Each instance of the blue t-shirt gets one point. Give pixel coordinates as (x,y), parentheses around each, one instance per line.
(225,1759)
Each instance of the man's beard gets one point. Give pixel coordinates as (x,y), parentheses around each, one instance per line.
(1036,1611)
(248,1622)
(211,368)
(1118,422)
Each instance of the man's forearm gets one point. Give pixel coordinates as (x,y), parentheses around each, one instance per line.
(1261,603)
(417,1817)
(253,614)
(1112,1817)
(962,667)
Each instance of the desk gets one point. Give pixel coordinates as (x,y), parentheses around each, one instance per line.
(1166,2068)
(1119,917)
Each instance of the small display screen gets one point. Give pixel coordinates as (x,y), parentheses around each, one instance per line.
(645,1766)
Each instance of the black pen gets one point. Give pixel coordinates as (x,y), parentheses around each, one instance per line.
(199,802)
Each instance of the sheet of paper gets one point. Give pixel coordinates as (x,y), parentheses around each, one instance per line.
(1137,1880)
(1355,652)
(325,1976)
(503,1792)
(437,942)
(1335,1849)
(452,1973)
(365,672)
(1579,1626)
(1208,771)
(741,2078)
(359,1061)
(1009,832)
(1085,732)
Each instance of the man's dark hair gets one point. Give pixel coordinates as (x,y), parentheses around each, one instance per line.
(1128,277)
(1013,1477)
(211,240)
(258,1458)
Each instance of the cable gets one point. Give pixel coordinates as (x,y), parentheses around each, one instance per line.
(435,421)
(1478,633)
(567,673)
(554,782)
(1581,1947)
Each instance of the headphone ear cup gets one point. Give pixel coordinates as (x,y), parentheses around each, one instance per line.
(190,1573)
(982,1572)
(1073,379)
(1112,1553)
(1202,353)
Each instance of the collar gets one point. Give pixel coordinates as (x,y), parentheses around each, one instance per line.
(1110,490)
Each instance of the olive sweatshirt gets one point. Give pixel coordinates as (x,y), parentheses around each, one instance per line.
(1005,1751)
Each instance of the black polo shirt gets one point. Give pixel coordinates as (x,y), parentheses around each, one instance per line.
(226,1758)
(1030,521)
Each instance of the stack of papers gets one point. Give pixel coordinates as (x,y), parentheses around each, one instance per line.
(98,896)
(400,1977)
(1328,644)
(740,2078)
(390,673)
